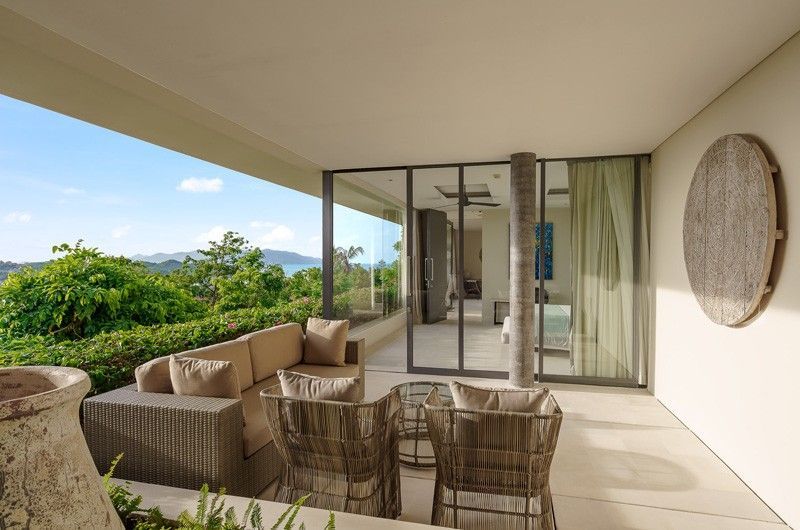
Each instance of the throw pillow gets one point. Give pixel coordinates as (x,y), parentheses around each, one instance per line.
(344,389)
(201,377)
(326,341)
(500,399)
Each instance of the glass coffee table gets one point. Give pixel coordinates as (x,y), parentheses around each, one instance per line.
(415,446)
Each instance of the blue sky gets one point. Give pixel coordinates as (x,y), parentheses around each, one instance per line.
(62,179)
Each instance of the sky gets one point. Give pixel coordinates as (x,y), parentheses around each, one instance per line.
(62,179)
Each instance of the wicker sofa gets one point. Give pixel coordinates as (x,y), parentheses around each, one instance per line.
(185,441)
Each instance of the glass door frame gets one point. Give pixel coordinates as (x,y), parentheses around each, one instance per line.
(411,368)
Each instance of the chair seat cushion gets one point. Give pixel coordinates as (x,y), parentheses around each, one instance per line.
(297,385)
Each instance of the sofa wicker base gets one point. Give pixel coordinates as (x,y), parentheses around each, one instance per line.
(180,441)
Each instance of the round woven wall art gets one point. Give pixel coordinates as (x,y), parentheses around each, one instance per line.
(729,229)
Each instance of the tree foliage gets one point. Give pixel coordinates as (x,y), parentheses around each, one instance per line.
(85,292)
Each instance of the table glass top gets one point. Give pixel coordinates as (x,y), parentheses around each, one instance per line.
(417,391)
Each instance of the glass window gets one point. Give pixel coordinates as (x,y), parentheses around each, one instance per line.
(368,253)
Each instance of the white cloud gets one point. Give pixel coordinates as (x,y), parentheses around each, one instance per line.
(72,191)
(120,231)
(197,185)
(17,217)
(277,234)
(262,224)
(314,239)
(214,234)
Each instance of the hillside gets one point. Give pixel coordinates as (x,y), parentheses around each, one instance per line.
(277,257)
(164,263)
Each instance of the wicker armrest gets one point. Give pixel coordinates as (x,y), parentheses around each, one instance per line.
(180,441)
(355,353)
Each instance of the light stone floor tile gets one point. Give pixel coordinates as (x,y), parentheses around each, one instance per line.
(622,461)
(436,346)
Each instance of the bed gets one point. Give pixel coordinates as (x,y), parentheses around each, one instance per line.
(557,326)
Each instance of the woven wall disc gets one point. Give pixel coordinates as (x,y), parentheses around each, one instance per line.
(729,229)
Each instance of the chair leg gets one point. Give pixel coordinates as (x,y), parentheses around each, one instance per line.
(436,512)
(553,512)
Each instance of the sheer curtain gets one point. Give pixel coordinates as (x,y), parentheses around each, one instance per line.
(601,200)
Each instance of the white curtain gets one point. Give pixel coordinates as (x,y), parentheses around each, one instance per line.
(601,199)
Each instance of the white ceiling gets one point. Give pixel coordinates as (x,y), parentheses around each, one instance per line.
(357,83)
(389,187)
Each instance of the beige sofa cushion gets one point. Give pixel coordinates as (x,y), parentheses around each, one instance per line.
(326,341)
(345,389)
(256,433)
(200,377)
(153,376)
(235,351)
(500,399)
(274,348)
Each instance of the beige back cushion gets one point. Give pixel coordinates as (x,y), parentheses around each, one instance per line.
(199,377)
(501,399)
(235,351)
(302,386)
(153,376)
(326,341)
(275,348)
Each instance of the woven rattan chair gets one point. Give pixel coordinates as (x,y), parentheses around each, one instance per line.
(344,454)
(492,468)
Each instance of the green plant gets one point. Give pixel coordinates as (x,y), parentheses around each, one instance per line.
(110,358)
(208,515)
(125,503)
(85,292)
(214,516)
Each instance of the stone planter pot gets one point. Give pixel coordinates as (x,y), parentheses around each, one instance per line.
(47,476)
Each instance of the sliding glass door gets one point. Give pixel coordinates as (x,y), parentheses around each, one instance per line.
(369,265)
(421,265)
(434,199)
(594,239)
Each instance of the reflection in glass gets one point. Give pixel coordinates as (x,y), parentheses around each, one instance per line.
(589,327)
(368,255)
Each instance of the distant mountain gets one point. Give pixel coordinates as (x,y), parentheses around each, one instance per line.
(164,263)
(161,257)
(164,267)
(277,257)
(9,266)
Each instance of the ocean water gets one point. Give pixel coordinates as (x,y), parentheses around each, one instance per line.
(292,268)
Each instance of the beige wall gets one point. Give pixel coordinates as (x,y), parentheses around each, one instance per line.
(737,389)
(472,261)
(494,237)
(495,260)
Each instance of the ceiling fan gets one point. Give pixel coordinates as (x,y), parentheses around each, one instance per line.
(469,202)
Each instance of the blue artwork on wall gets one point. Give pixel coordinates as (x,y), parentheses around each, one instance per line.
(548,250)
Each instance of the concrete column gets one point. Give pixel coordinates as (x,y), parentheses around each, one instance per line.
(523,269)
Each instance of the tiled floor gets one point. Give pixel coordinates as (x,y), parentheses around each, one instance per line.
(436,346)
(623,461)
